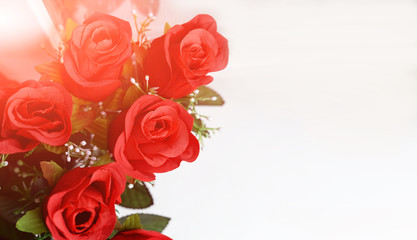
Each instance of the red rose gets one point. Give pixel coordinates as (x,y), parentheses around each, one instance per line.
(179,61)
(153,136)
(33,112)
(97,51)
(140,234)
(81,206)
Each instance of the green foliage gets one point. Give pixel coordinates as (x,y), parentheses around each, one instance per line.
(53,149)
(52,172)
(137,197)
(132,94)
(203,96)
(151,222)
(200,128)
(132,222)
(166,27)
(103,159)
(208,97)
(29,153)
(32,222)
(43,236)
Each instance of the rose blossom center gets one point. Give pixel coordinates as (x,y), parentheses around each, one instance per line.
(198,49)
(81,219)
(35,114)
(102,39)
(156,129)
(39,109)
(160,124)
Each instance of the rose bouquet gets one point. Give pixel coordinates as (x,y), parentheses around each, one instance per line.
(105,115)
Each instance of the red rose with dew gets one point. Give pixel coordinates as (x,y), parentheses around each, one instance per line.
(140,234)
(82,204)
(33,112)
(179,61)
(97,51)
(153,136)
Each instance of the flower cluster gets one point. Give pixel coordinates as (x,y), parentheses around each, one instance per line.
(106,115)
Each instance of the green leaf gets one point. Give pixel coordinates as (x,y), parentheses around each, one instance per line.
(153,222)
(166,27)
(114,102)
(70,25)
(113,234)
(150,222)
(100,128)
(104,159)
(137,197)
(132,94)
(32,222)
(52,70)
(140,54)
(132,222)
(83,114)
(209,97)
(52,172)
(54,149)
(128,69)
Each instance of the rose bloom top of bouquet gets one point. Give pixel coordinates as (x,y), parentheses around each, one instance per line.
(106,114)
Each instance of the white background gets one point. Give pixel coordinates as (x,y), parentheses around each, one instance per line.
(319,130)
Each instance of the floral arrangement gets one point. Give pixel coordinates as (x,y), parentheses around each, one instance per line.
(106,114)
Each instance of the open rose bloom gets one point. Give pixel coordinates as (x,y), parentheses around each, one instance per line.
(107,114)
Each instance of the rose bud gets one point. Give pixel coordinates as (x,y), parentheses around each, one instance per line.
(153,136)
(34,112)
(97,51)
(82,204)
(179,61)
